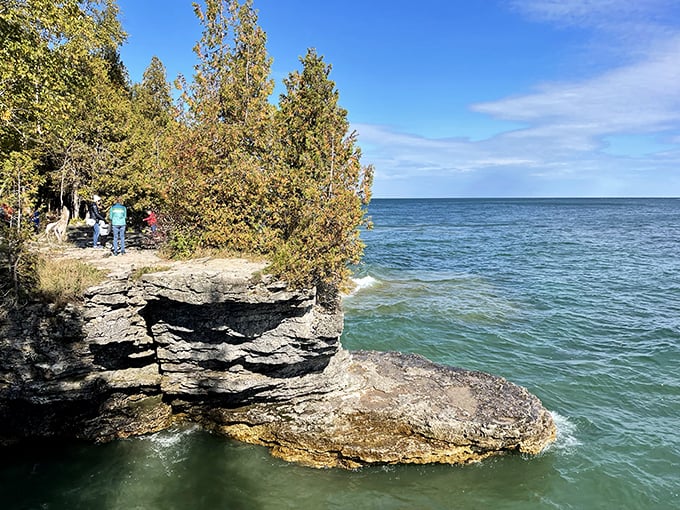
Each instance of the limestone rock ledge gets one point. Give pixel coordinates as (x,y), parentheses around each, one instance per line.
(214,342)
(395,408)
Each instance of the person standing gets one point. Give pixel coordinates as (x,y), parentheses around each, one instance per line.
(35,219)
(118,216)
(96,216)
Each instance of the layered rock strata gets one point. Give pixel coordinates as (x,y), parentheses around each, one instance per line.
(216,343)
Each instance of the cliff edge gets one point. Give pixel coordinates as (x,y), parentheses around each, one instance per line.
(216,342)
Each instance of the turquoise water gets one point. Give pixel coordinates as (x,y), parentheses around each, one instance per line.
(577,300)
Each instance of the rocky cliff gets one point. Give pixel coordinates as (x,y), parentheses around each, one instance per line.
(215,342)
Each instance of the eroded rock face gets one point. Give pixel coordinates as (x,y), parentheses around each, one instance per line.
(212,342)
(58,381)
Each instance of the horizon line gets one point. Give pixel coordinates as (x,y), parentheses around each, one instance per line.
(632,197)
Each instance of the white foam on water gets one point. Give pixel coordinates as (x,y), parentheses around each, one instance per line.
(362,283)
(170,437)
(170,446)
(566,440)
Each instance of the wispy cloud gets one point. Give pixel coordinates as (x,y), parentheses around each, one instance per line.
(622,27)
(639,98)
(567,124)
(599,14)
(509,165)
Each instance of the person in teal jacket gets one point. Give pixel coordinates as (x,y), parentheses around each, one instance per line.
(118,217)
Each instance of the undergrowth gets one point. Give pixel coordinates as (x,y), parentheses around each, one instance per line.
(62,281)
(141,271)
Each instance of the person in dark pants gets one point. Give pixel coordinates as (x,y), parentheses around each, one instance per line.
(96,216)
(35,219)
(118,217)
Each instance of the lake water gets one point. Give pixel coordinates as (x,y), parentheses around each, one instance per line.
(578,300)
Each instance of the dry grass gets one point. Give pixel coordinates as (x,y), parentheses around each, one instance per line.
(64,281)
(215,253)
(139,272)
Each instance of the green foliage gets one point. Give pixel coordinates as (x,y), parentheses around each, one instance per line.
(134,133)
(152,98)
(321,195)
(54,59)
(286,183)
(221,157)
(225,168)
(48,50)
(19,184)
(18,275)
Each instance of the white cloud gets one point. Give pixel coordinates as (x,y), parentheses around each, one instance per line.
(568,126)
(599,14)
(642,97)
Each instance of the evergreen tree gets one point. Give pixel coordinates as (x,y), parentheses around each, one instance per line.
(323,188)
(141,158)
(152,97)
(222,161)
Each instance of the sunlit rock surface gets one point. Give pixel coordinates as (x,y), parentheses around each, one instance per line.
(215,342)
(395,408)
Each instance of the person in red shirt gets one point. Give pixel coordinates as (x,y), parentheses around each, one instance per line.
(6,213)
(151,220)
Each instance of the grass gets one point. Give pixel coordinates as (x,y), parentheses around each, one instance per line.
(141,271)
(215,253)
(62,281)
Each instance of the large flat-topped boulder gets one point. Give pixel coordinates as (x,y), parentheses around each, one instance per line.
(396,408)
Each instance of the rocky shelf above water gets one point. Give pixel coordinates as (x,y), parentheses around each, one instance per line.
(215,342)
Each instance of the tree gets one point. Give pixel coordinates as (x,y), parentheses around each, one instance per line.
(51,54)
(146,121)
(324,188)
(221,162)
(152,97)
(242,174)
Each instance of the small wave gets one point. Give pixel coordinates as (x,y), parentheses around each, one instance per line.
(566,434)
(170,447)
(170,438)
(362,283)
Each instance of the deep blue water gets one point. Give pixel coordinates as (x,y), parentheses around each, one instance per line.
(576,299)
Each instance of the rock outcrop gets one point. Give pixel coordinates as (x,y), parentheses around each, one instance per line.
(215,342)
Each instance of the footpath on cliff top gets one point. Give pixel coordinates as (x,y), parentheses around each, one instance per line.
(79,246)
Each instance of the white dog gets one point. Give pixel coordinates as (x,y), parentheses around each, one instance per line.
(58,228)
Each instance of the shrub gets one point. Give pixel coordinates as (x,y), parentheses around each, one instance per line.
(17,267)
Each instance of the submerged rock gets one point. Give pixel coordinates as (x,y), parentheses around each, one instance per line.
(215,342)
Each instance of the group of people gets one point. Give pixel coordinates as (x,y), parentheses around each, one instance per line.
(118,218)
(7,215)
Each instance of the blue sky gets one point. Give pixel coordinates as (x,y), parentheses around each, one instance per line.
(476,98)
